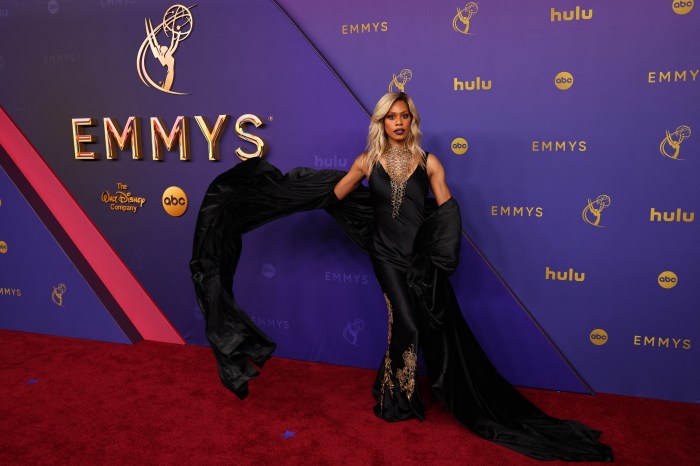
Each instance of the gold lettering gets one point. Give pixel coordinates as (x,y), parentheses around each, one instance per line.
(344,29)
(366,28)
(582,146)
(354,28)
(572,145)
(385,27)
(494,210)
(535,145)
(675,342)
(686,344)
(529,211)
(79,139)
(547,145)
(505,210)
(637,339)
(259,143)
(652,77)
(560,146)
(180,132)
(538,212)
(648,340)
(212,135)
(679,76)
(518,211)
(666,76)
(375,26)
(694,73)
(665,342)
(132,133)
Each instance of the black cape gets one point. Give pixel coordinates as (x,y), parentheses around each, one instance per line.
(460,374)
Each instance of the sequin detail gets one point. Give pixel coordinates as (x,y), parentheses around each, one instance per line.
(407,375)
(399,162)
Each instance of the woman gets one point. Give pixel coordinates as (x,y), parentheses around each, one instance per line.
(414,243)
(399,173)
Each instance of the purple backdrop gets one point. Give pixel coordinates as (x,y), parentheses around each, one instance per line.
(524,198)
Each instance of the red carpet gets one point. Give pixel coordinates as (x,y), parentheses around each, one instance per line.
(69,401)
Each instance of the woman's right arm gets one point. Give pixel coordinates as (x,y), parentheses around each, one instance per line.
(352,179)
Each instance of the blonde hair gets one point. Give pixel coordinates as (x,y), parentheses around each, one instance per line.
(377,141)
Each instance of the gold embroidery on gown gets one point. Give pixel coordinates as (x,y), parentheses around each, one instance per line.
(407,375)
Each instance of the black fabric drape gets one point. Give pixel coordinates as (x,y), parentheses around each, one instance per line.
(460,374)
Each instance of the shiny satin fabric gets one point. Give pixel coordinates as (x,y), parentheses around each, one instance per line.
(460,374)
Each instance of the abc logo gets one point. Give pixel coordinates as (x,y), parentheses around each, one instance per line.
(598,337)
(682,7)
(668,279)
(268,270)
(3,247)
(563,80)
(175,201)
(459,146)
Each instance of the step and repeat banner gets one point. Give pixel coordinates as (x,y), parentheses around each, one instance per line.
(566,129)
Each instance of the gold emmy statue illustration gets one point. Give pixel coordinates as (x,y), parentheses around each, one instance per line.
(399,82)
(176,26)
(591,214)
(464,16)
(673,141)
(57,294)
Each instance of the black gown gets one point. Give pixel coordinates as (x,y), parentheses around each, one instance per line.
(412,255)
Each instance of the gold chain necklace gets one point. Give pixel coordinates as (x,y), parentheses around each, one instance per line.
(399,161)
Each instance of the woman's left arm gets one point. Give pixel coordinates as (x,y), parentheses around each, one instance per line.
(436,175)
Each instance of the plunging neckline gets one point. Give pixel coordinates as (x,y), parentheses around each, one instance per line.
(415,169)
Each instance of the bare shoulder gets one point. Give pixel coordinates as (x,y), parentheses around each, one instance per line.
(361,163)
(433,164)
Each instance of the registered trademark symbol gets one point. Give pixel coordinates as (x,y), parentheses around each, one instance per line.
(269,118)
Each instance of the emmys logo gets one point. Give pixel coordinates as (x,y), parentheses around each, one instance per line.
(682,7)
(559,146)
(667,279)
(568,276)
(176,26)
(3,247)
(346,278)
(462,19)
(516,211)
(57,294)
(122,200)
(671,145)
(677,216)
(273,323)
(364,28)
(572,15)
(598,337)
(352,330)
(174,201)
(459,146)
(11,292)
(564,80)
(658,77)
(660,342)
(398,83)
(591,213)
